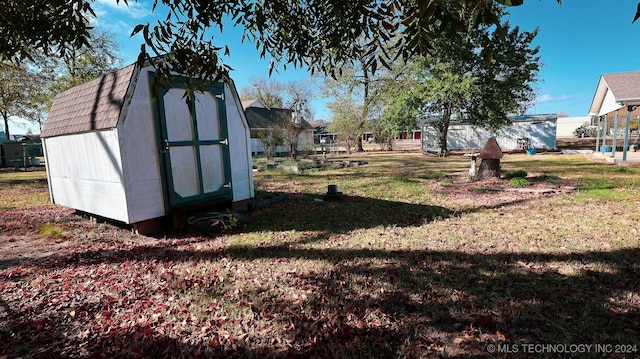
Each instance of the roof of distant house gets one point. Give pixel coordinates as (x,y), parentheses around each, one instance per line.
(261,118)
(615,91)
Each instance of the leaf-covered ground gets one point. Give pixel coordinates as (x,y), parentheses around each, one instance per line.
(415,261)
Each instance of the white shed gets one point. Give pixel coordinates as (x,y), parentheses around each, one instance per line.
(540,130)
(115,149)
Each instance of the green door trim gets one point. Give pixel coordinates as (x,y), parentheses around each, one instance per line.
(171,198)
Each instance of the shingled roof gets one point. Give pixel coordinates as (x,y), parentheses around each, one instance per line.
(260,118)
(614,91)
(94,105)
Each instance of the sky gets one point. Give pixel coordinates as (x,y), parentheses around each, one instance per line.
(579,41)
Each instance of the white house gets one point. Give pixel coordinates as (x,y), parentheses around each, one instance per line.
(115,149)
(617,101)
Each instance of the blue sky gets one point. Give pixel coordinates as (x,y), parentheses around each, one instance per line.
(579,40)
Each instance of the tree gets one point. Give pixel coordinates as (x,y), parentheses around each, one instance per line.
(19,86)
(458,81)
(293,96)
(270,138)
(84,63)
(269,91)
(42,77)
(321,35)
(352,91)
(346,115)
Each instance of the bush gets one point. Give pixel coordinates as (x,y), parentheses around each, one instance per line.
(514,174)
(586,130)
(518,182)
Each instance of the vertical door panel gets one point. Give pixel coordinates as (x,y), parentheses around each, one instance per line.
(184,171)
(179,123)
(212,171)
(207,116)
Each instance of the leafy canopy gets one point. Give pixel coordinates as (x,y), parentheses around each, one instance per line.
(318,34)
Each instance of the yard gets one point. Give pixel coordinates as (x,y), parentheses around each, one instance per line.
(415,261)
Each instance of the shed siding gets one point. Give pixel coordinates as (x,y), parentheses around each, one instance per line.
(541,133)
(86,173)
(115,172)
(140,156)
(239,148)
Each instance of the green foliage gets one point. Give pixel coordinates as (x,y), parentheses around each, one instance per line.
(229,221)
(458,80)
(518,182)
(294,32)
(585,131)
(514,174)
(20,85)
(346,121)
(31,27)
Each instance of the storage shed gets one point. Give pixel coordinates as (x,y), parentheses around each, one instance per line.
(115,149)
(539,130)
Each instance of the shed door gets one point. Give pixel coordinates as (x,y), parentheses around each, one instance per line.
(194,144)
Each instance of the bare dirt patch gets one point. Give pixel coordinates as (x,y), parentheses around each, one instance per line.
(495,192)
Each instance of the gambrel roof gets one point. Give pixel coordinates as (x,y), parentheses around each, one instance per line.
(94,105)
(615,91)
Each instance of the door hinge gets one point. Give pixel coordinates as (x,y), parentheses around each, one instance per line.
(220,96)
(228,185)
(225,142)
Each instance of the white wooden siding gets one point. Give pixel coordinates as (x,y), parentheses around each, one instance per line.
(239,147)
(85,171)
(139,148)
(542,135)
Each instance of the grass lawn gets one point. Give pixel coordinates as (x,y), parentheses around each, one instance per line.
(415,261)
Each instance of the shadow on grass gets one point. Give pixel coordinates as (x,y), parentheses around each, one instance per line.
(370,303)
(378,303)
(367,304)
(305,212)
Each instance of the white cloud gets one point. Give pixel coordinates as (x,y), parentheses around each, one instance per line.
(548,98)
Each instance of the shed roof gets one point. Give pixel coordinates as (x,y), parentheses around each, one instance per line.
(614,91)
(94,105)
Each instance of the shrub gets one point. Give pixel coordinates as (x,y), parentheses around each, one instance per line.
(518,182)
(514,174)
(586,130)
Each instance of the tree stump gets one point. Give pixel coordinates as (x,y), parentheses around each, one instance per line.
(491,155)
(489,167)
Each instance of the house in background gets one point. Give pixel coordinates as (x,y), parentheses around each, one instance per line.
(617,100)
(263,118)
(116,149)
(567,125)
(538,130)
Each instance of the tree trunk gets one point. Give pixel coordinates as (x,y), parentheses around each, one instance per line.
(444,131)
(489,168)
(5,116)
(365,104)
